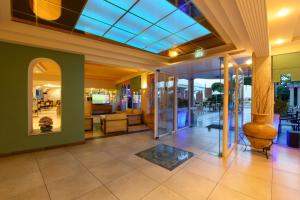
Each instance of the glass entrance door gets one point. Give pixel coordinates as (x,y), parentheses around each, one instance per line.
(165,104)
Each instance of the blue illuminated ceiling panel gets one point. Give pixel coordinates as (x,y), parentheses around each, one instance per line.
(133,24)
(102,11)
(153,10)
(118,35)
(154,26)
(193,32)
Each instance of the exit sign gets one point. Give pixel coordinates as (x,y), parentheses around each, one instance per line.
(199,53)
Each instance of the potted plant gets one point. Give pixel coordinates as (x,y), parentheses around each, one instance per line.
(45,124)
(260,132)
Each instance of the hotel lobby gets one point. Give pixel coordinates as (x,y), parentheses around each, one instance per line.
(150,99)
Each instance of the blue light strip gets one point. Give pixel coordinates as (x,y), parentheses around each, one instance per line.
(154,25)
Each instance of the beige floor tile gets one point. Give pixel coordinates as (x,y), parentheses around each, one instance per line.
(110,170)
(15,168)
(13,186)
(252,169)
(251,186)
(133,161)
(287,179)
(284,193)
(49,153)
(254,157)
(92,159)
(132,186)
(225,193)
(59,159)
(289,166)
(72,186)
(157,173)
(38,193)
(163,193)
(205,169)
(215,160)
(57,172)
(99,193)
(190,185)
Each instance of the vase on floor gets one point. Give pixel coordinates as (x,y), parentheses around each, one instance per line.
(260,132)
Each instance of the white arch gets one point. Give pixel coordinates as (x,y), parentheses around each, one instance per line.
(30,85)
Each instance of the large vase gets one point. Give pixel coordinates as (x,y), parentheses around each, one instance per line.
(260,132)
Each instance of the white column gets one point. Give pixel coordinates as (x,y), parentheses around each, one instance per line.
(236,104)
(292,97)
(225,108)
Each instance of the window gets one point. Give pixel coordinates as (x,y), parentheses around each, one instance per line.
(44,96)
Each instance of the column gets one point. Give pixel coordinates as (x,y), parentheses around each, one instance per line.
(225,108)
(262,86)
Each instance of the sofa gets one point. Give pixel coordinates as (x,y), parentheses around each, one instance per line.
(112,123)
(134,116)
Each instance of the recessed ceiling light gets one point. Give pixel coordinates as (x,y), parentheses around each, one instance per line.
(249,62)
(283,12)
(279,41)
(173,53)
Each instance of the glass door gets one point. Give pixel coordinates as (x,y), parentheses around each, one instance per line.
(165,104)
(182,103)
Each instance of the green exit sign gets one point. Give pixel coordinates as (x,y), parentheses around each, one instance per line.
(199,53)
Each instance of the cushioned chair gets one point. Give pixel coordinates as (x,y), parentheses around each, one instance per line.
(114,123)
(134,116)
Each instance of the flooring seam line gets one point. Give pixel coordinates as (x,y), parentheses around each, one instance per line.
(218,182)
(93,176)
(42,177)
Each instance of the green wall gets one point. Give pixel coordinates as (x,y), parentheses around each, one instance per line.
(286,64)
(14,63)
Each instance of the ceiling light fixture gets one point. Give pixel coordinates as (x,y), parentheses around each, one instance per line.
(51,85)
(48,10)
(249,62)
(230,64)
(173,53)
(283,12)
(279,41)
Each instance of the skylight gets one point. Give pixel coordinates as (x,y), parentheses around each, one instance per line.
(151,25)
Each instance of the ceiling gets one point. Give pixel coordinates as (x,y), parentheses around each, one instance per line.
(45,70)
(109,72)
(284,25)
(206,69)
(154,26)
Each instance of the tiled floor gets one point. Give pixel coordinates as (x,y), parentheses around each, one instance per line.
(107,169)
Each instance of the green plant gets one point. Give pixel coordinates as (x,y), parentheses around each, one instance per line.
(283,92)
(219,87)
(182,103)
(280,106)
(215,98)
(248,80)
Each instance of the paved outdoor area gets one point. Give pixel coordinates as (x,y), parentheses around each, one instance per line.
(107,169)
